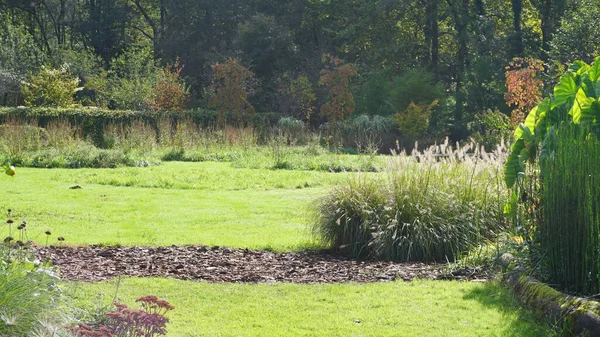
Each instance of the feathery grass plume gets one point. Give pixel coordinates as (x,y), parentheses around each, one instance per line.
(430,206)
(28,290)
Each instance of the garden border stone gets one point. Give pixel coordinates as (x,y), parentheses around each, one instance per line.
(575,315)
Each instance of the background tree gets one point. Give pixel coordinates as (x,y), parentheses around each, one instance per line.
(232,84)
(335,78)
(524,87)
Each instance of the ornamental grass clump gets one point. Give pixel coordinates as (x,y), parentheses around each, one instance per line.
(28,290)
(430,206)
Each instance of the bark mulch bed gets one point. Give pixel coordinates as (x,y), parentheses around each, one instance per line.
(219,264)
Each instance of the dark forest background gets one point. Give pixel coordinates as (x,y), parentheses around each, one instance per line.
(449,58)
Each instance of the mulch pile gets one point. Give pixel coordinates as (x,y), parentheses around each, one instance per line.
(216,264)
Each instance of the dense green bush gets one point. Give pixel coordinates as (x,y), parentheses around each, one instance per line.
(386,95)
(491,128)
(425,208)
(50,87)
(363,133)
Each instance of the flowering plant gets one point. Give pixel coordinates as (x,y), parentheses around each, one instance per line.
(149,321)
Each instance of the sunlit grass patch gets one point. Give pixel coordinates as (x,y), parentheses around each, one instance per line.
(420,308)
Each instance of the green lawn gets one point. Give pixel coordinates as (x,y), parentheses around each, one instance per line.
(216,204)
(419,308)
(197,203)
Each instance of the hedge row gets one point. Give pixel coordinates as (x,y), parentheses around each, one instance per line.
(93,121)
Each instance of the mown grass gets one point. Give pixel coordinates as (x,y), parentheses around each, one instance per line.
(214,207)
(419,308)
(200,176)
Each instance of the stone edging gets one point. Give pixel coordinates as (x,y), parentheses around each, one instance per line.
(576,315)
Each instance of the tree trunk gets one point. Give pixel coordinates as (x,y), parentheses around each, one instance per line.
(546,14)
(460,14)
(517,8)
(431,33)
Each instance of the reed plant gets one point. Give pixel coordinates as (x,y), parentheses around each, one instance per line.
(568,230)
(18,138)
(433,205)
(60,134)
(135,136)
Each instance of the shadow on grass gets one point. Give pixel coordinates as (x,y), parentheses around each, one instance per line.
(524,323)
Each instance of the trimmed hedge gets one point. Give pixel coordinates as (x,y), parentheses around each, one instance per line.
(93,121)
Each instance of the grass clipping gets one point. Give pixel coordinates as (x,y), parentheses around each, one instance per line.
(430,206)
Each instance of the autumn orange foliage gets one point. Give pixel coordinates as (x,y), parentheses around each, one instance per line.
(232,83)
(524,87)
(335,77)
(170,91)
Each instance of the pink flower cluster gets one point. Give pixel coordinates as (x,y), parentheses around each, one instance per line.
(124,322)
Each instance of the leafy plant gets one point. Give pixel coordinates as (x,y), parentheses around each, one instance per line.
(29,287)
(129,83)
(149,321)
(50,87)
(576,100)
(491,128)
(296,96)
(551,170)
(414,121)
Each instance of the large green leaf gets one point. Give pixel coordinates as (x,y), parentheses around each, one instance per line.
(526,133)
(533,118)
(589,87)
(514,166)
(566,89)
(579,67)
(590,111)
(575,111)
(528,125)
(548,146)
(594,72)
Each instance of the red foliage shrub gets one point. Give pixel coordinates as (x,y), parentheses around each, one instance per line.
(170,91)
(335,77)
(524,88)
(232,84)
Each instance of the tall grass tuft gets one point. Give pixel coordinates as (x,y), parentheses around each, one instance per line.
(569,228)
(431,206)
(29,292)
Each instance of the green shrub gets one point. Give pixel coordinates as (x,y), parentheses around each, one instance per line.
(491,128)
(292,129)
(50,88)
(432,206)
(551,170)
(414,121)
(363,133)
